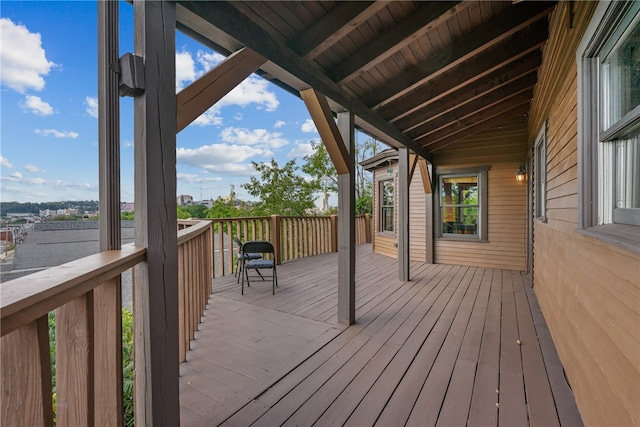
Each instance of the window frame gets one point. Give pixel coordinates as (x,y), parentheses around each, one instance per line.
(382,206)
(595,179)
(540,174)
(482,177)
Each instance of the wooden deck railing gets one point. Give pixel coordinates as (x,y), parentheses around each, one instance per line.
(88,339)
(195,272)
(292,236)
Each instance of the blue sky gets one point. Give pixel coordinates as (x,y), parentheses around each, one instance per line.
(49,132)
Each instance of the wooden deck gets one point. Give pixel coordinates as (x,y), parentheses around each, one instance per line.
(455,345)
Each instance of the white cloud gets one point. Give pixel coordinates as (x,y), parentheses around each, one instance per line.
(237,116)
(208,60)
(209,117)
(308,126)
(221,158)
(185,69)
(57,133)
(32,168)
(278,124)
(127,143)
(24,62)
(301,149)
(5,163)
(257,137)
(253,89)
(92,106)
(192,178)
(16,175)
(36,105)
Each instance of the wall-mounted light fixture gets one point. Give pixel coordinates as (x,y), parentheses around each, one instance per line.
(521,174)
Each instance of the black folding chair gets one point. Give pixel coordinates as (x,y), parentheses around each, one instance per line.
(259,247)
(241,254)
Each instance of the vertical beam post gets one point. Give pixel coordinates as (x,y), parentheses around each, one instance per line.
(346,226)
(403,213)
(107,302)
(156,280)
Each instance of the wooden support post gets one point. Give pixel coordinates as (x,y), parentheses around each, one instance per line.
(334,233)
(347,226)
(107,301)
(403,213)
(276,238)
(156,284)
(425,172)
(367,228)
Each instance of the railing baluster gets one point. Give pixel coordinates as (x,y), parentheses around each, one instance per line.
(74,364)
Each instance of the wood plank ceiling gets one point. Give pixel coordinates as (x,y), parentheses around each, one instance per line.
(420,74)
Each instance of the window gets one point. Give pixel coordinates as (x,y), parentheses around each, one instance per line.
(387,204)
(462,204)
(540,174)
(609,123)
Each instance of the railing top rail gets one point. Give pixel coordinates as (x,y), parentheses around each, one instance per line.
(198,227)
(27,298)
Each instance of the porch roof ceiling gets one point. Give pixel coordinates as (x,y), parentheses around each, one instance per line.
(424,75)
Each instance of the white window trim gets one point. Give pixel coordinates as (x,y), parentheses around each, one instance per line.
(590,154)
(483,234)
(381,183)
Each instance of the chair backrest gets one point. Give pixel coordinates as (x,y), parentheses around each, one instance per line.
(258,246)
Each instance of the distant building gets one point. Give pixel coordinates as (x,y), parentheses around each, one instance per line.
(126,207)
(6,235)
(184,200)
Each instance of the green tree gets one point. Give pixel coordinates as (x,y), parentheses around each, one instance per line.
(126,216)
(281,190)
(197,211)
(319,166)
(183,213)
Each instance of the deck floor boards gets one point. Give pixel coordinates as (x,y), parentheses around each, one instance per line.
(441,349)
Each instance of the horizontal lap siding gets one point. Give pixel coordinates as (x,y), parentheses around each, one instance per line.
(588,290)
(503,150)
(417,219)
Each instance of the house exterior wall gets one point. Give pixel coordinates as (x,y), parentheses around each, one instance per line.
(502,149)
(589,290)
(385,243)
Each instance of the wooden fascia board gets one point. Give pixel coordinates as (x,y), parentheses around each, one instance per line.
(428,16)
(424,173)
(471,119)
(522,73)
(470,45)
(202,94)
(225,17)
(478,127)
(330,28)
(447,84)
(329,133)
(504,100)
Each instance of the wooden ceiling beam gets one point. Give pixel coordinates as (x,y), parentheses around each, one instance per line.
(333,26)
(484,37)
(413,161)
(478,126)
(203,93)
(469,120)
(467,74)
(489,101)
(322,116)
(523,72)
(429,15)
(225,17)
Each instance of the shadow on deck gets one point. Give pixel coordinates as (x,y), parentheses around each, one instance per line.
(456,345)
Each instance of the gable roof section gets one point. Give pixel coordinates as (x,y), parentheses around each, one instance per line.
(423,75)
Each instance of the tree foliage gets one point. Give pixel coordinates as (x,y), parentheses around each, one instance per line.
(319,166)
(280,190)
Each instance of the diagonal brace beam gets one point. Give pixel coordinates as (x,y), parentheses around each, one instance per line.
(322,116)
(202,94)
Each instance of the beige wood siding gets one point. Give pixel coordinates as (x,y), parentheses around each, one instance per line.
(417,219)
(503,150)
(589,290)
